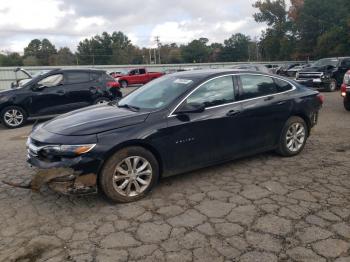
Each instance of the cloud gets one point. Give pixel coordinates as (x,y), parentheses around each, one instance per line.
(66,22)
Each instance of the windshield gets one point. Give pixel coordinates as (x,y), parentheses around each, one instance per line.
(158,93)
(326,62)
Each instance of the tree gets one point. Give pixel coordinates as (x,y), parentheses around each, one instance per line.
(11,59)
(236,48)
(63,57)
(196,51)
(278,41)
(41,50)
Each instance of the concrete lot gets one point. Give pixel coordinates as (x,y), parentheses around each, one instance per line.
(262,208)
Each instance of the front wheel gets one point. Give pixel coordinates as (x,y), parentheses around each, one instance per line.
(129,174)
(347,103)
(13,117)
(333,85)
(101,100)
(293,137)
(124,84)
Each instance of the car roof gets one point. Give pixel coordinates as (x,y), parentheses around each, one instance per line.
(205,73)
(79,70)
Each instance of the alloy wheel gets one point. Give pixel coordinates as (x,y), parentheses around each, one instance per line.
(132,176)
(13,117)
(295,137)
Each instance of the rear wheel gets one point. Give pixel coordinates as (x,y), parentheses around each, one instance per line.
(333,85)
(13,117)
(124,84)
(293,137)
(129,174)
(347,103)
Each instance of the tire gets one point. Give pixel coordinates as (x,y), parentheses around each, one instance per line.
(289,145)
(333,85)
(347,103)
(124,84)
(101,100)
(8,118)
(116,187)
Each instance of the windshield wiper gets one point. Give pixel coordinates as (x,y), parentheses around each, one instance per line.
(132,108)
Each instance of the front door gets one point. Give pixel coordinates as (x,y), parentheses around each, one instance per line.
(199,139)
(48,97)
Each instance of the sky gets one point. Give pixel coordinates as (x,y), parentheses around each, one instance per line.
(66,22)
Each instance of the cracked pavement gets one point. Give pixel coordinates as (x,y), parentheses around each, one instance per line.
(261,208)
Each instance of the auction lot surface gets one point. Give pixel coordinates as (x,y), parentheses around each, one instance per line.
(262,208)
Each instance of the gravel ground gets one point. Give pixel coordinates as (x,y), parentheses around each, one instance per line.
(262,208)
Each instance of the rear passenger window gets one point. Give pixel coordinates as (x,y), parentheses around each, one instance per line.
(96,77)
(282,86)
(256,85)
(77,77)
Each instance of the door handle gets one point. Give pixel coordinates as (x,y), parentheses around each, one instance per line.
(233,113)
(269,98)
(60,92)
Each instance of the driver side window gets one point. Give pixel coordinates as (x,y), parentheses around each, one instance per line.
(50,81)
(216,92)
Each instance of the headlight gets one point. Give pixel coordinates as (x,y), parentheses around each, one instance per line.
(117,79)
(67,150)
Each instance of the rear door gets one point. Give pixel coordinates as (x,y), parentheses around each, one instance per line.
(266,106)
(80,89)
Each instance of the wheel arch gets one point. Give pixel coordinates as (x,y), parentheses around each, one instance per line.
(306,119)
(139,143)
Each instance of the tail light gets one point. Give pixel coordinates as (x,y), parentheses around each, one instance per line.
(320,98)
(343,90)
(347,78)
(113,84)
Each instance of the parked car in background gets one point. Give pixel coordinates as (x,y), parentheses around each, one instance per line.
(137,76)
(115,74)
(283,70)
(345,91)
(56,92)
(327,73)
(175,124)
(252,67)
(292,72)
(272,67)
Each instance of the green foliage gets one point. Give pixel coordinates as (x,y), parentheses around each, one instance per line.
(196,51)
(236,48)
(42,51)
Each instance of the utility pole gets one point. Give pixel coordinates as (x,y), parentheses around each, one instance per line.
(155,56)
(158,45)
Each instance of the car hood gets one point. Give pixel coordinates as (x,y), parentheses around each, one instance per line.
(93,120)
(314,69)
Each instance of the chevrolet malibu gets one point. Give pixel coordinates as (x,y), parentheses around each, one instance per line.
(175,124)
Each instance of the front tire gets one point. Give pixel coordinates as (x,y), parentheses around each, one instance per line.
(347,103)
(124,84)
(333,85)
(101,100)
(13,117)
(293,137)
(129,174)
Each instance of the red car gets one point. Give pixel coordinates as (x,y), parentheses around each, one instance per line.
(138,76)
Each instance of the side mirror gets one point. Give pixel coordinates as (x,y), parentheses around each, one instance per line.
(190,108)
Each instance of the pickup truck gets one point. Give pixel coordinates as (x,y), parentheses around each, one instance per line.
(138,76)
(327,73)
(345,91)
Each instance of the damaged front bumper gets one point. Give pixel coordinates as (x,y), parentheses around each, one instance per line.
(70,176)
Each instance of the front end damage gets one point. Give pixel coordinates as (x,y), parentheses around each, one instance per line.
(66,175)
(62,180)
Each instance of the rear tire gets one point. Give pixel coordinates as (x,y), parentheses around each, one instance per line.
(13,117)
(293,137)
(129,174)
(124,84)
(347,103)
